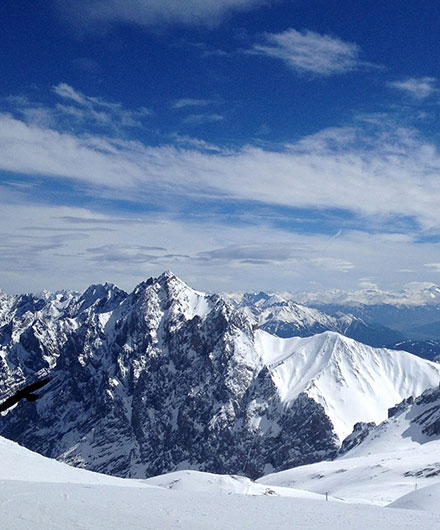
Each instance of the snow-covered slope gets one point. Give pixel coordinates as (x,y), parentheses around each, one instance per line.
(378,478)
(352,382)
(20,464)
(412,424)
(37,494)
(426,499)
(395,458)
(199,482)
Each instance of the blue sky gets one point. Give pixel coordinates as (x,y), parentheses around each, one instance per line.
(243,144)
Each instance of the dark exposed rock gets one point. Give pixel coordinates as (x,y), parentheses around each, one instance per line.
(160,379)
(400,407)
(360,431)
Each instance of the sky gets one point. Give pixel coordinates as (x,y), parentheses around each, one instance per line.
(242,144)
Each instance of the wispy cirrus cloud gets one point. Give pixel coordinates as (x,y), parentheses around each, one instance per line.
(435,267)
(332,264)
(96,108)
(416,87)
(209,256)
(392,174)
(308,51)
(255,253)
(199,119)
(126,253)
(192,102)
(76,108)
(90,14)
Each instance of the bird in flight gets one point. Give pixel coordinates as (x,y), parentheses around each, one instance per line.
(25,393)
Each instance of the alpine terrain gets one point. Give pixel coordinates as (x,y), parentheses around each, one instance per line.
(167,378)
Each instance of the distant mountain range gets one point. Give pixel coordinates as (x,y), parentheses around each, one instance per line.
(409,320)
(416,294)
(168,378)
(286,318)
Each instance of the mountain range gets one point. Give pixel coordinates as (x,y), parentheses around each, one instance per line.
(407,320)
(168,378)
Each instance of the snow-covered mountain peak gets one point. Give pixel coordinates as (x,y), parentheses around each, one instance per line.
(98,298)
(172,283)
(273,300)
(352,381)
(173,296)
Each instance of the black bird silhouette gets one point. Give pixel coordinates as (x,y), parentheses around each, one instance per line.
(25,393)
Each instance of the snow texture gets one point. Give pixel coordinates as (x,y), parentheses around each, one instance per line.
(38,494)
(398,457)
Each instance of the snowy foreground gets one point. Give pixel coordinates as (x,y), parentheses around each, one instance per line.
(37,493)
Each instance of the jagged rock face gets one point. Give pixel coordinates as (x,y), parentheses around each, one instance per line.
(429,417)
(360,431)
(160,379)
(400,407)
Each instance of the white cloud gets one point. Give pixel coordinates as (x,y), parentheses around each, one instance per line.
(198,119)
(78,111)
(332,264)
(366,283)
(434,266)
(308,51)
(91,13)
(417,87)
(49,246)
(394,175)
(65,91)
(197,143)
(192,102)
(256,253)
(97,109)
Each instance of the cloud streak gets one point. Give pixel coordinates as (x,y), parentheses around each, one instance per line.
(417,87)
(393,173)
(200,119)
(97,109)
(210,255)
(310,52)
(90,14)
(75,109)
(192,102)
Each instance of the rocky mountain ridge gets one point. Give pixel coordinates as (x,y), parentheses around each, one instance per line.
(168,378)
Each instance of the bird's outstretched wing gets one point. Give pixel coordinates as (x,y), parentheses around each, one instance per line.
(39,384)
(24,393)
